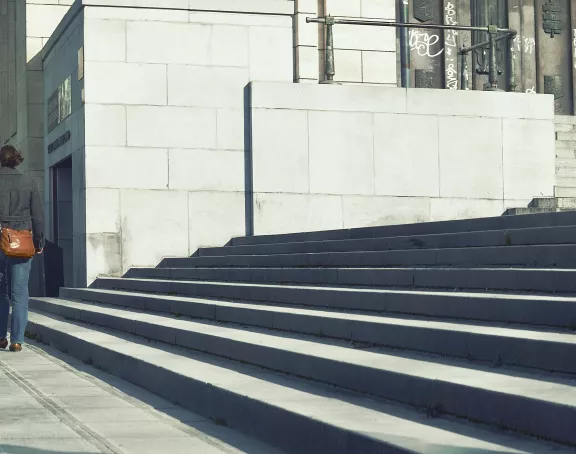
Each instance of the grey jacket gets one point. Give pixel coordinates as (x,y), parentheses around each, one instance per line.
(20,204)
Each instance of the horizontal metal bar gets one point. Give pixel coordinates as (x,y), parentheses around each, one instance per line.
(353,21)
(465,50)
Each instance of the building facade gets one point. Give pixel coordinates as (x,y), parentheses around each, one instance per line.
(157,127)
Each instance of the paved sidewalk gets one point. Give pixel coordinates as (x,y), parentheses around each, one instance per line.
(51,403)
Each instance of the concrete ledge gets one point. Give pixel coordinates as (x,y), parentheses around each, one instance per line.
(382,99)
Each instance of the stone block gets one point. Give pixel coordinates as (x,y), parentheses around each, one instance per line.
(349,8)
(136,14)
(447,209)
(287,213)
(231,124)
(361,37)
(103,255)
(152,4)
(171,127)
(126,83)
(42,20)
(221,18)
(341,152)
(207,170)
(270,7)
(406,155)
(280,151)
(345,98)
(156,219)
(307,63)
(271,54)
(307,34)
(348,64)
(34,53)
(203,86)
(480,104)
(379,67)
(361,211)
(103,210)
(104,40)
(529,158)
(214,218)
(105,125)
(160,42)
(378,9)
(470,168)
(229,46)
(306,6)
(106,167)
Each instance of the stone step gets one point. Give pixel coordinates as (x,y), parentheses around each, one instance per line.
(566,136)
(565,119)
(303,417)
(539,235)
(565,152)
(564,127)
(540,256)
(564,192)
(529,210)
(554,202)
(566,182)
(507,279)
(566,164)
(427,228)
(458,388)
(568,172)
(447,338)
(499,307)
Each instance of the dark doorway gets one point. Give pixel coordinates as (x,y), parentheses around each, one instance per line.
(62,216)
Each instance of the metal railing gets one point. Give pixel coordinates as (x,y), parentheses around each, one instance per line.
(495,34)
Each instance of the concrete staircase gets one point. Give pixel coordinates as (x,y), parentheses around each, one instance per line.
(427,338)
(565,189)
(566,158)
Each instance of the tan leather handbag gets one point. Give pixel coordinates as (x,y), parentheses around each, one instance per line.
(17,243)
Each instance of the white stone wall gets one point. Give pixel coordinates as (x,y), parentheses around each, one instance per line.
(342,156)
(362,54)
(165,137)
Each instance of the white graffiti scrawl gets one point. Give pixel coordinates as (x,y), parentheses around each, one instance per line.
(451,47)
(574,44)
(422,43)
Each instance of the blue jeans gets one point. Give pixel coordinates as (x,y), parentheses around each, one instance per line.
(14,276)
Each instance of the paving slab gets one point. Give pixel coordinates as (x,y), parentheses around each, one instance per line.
(52,403)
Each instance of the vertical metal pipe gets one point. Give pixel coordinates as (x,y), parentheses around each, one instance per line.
(463,71)
(330,66)
(405,75)
(512,65)
(493,68)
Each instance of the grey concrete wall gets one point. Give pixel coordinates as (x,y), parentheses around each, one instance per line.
(328,157)
(61,62)
(25,26)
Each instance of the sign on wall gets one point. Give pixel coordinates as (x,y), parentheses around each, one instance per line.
(60,104)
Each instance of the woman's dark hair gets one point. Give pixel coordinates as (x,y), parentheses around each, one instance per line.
(10,157)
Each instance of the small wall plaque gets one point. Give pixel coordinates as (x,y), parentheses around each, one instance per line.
(423,10)
(59,142)
(552,21)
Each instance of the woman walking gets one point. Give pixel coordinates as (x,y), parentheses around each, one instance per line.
(21,237)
